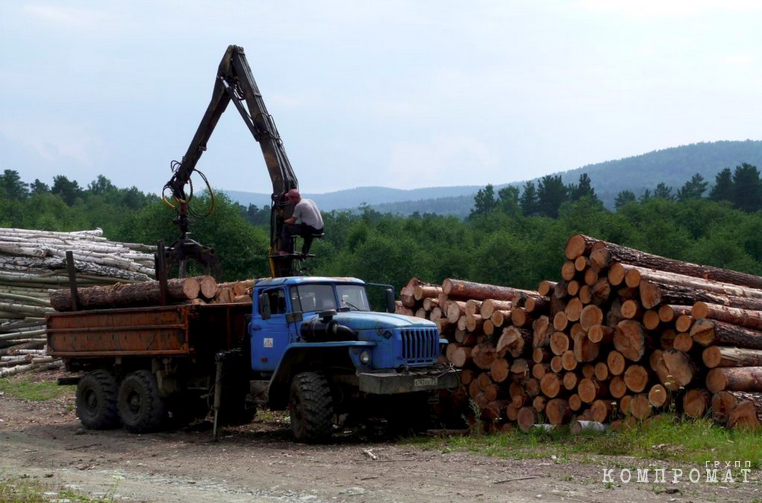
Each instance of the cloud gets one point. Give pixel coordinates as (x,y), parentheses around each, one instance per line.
(53,142)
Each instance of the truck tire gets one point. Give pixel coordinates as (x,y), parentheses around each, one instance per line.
(311,408)
(141,407)
(96,400)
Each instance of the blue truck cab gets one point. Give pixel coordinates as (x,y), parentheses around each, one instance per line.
(323,350)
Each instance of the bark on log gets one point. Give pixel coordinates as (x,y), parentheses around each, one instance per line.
(743,317)
(126,294)
(632,256)
(707,332)
(653,293)
(480,291)
(734,379)
(537,305)
(747,415)
(424,291)
(717,356)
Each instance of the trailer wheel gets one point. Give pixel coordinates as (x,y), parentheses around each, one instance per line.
(311,407)
(141,407)
(96,400)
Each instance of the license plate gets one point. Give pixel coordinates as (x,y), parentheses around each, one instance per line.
(426,382)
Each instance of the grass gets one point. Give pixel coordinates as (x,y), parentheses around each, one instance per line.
(665,438)
(27,490)
(26,389)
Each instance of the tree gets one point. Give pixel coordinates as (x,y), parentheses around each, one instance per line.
(68,190)
(663,192)
(508,200)
(645,196)
(14,187)
(37,187)
(693,188)
(723,189)
(624,197)
(484,201)
(747,188)
(583,189)
(528,200)
(551,194)
(100,186)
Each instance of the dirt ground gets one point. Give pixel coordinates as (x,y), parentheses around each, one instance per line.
(259,463)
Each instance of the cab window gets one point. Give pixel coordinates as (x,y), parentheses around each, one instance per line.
(311,298)
(277,301)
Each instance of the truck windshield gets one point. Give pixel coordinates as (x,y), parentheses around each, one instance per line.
(353,297)
(311,298)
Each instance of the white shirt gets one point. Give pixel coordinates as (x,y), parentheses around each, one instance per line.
(308,213)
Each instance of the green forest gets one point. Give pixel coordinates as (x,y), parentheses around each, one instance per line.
(513,236)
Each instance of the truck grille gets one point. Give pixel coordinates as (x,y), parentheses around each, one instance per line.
(420,345)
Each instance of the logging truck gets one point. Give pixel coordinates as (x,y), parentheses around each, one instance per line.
(313,342)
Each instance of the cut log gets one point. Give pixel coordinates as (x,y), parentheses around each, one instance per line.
(747,415)
(632,256)
(601,371)
(500,318)
(679,366)
(631,309)
(640,407)
(585,350)
(474,323)
(683,342)
(430,303)
(545,288)
(590,390)
(636,378)
(722,403)
(489,306)
(585,294)
(455,309)
(568,361)
(631,340)
(425,291)
(526,418)
(559,343)
(591,315)
(541,332)
(466,376)
(734,379)
(570,381)
(657,396)
(519,317)
(653,293)
(717,356)
(483,355)
(514,340)
(614,314)
(742,317)
(573,309)
(539,403)
(617,387)
(616,362)
(550,385)
(581,263)
(461,356)
(579,245)
(600,258)
(560,321)
(667,339)
(487,327)
(568,271)
(601,333)
(556,365)
(669,312)
(540,369)
(499,370)
(708,332)
(624,405)
(557,411)
(541,355)
(480,291)
(696,402)
(573,287)
(208,287)
(532,387)
(651,319)
(536,305)
(473,307)
(683,323)
(126,294)
(602,410)
(600,291)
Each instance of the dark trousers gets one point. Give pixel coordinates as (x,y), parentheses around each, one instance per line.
(291,231)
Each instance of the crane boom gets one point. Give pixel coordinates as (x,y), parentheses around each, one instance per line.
(235,82)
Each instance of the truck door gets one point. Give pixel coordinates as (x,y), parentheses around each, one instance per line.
(269,338)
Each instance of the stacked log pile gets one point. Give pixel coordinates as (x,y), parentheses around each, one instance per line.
(622,336)
(32,263)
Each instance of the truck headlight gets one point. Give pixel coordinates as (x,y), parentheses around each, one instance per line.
(365,357)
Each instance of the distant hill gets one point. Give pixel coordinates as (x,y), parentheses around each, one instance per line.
(673,166)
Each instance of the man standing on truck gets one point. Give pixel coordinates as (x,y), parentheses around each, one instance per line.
(310,221)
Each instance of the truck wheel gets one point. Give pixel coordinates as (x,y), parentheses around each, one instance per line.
(96,400)
(141,407)
(311,407)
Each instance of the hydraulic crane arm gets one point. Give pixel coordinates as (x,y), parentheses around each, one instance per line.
(235,83)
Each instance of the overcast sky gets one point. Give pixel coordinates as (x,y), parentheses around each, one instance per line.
(398,94)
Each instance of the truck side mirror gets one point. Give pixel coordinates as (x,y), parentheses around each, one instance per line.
(390,304)
(264,305)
